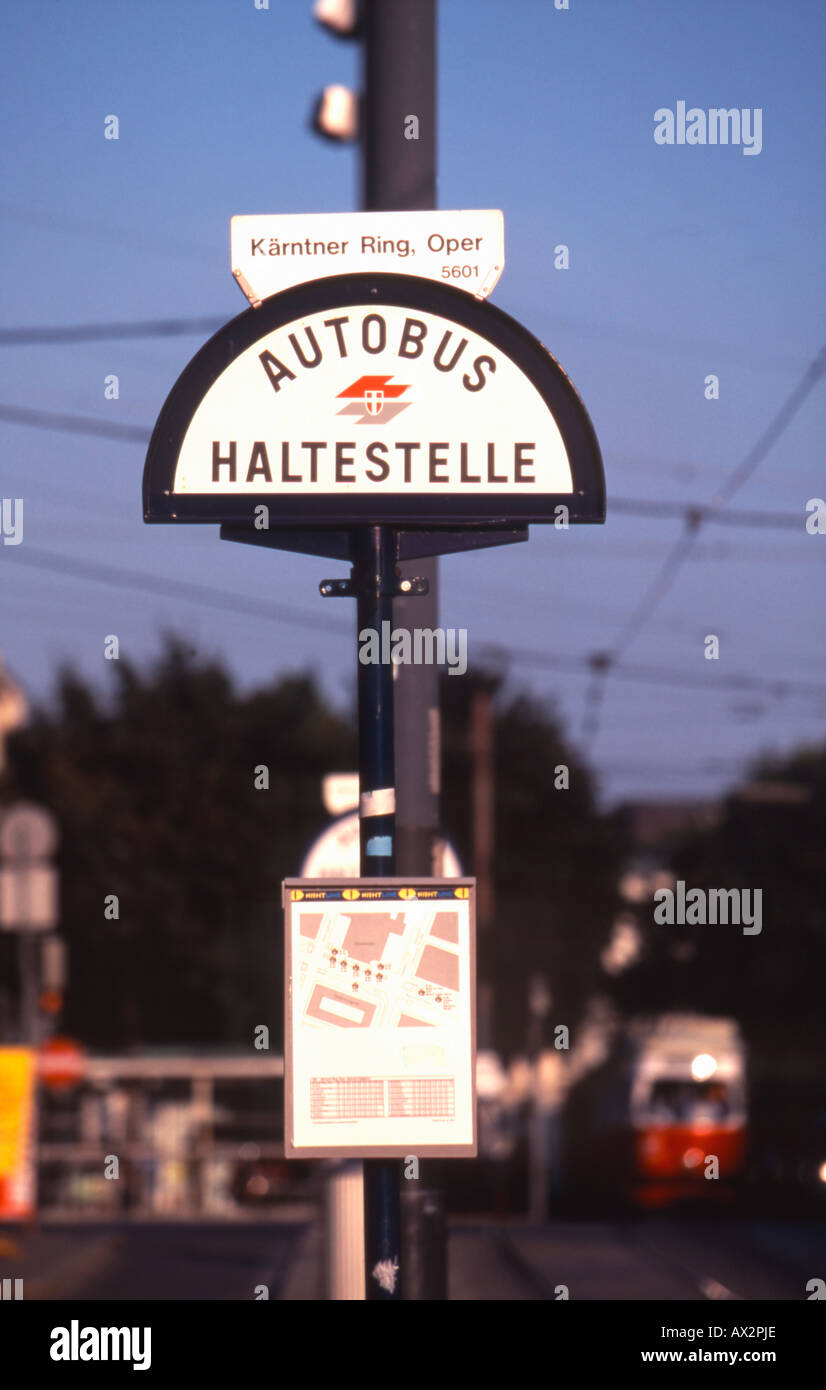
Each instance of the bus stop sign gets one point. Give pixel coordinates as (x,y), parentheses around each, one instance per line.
(373,398)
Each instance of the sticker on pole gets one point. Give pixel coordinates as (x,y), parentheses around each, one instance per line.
(374,398)
(335,854)
(380,1018)
(271,253)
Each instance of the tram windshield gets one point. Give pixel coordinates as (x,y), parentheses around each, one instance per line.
(688,1102)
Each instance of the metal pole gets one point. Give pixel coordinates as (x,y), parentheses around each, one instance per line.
(481,739)
(374,579)
(29,956)
(399,165)
(344,1230)
(539,1004)
(399,172)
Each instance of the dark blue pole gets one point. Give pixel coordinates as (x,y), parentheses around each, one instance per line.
(398,171)
(374,581)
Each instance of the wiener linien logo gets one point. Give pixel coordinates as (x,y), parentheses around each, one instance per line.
(374,399)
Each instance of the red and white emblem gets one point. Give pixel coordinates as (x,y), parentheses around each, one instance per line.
(371,396)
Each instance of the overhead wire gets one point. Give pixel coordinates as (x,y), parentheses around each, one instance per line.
(599,664)
(605,663)
(204,594)
(694,514)
(100,332)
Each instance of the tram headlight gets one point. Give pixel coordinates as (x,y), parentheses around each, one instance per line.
(703,1066)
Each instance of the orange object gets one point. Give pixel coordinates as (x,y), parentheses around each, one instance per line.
(61,1063)
(679,1151)
(17,1126)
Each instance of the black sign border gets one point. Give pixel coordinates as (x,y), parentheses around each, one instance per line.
(586,503)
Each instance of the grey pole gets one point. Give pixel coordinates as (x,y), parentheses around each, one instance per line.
(398,142)
(399,158)
(399,172)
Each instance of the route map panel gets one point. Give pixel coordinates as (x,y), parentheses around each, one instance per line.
(380,1017)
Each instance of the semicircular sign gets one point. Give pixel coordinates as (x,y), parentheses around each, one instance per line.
(373,398)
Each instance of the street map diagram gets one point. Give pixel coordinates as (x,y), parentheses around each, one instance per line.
(381,1006)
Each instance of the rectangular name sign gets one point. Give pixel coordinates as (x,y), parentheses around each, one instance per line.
(380,1017)
(270,252)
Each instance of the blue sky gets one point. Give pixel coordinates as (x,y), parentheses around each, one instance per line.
(685,261)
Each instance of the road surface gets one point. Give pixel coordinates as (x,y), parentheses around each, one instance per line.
(654,1258)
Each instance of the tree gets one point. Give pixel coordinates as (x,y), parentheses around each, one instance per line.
(155,794)
(556,857)
(770,837)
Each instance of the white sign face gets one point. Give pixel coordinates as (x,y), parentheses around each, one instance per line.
(271,253)
(335,854)
(367,399)
(377,403)
(380,1018)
